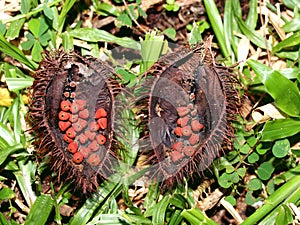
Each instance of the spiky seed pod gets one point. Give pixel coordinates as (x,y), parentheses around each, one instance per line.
(187,84)
(66,140)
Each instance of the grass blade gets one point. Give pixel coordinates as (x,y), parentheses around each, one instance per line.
(16,53)
(95,35)
(40,210)
(216,23)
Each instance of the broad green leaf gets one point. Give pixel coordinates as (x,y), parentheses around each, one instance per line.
(95,35)
(245,149)
(48,12)
(231,200)
(293,40)
(281,148)
(170,33)
(225,180)
(241,172)
(40,210)
(3,220)
(123,20)
(265,170)
(280,128)
(34,27)
(14,28)
(253,157)
(254,184)
(27,45)
(250,199)
(283,91)
(25,6)
(37,52)
(44,38)
(6,193)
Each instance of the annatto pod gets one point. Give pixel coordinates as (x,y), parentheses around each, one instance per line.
(92,86)
(188,86)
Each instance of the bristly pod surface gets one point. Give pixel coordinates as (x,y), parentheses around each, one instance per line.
(73,112)
(190,102)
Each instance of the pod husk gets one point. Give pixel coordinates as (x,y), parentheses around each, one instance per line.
(186,77)
(97,85)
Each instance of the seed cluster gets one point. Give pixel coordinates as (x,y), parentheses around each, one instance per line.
(83,132)
(187,131)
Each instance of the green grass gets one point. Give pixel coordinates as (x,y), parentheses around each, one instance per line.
(262,168)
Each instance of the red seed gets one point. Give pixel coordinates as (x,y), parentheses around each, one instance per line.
(183,121)
(85,151)
(71,132)
(72,95)
(182,111)
(100,113)
(189,150)
(82,138)
(72,84)
(74,107)
(79,125)
(67,139)
(194,139)
(102,123)
(73,147)
(186,131)
(175,156)
(81,103)
(62,115)
(78,157)
(94,159)
(73,118)
(177,146)
(65,105)
(84,114)
(101,139)
(90,134)
(63,126)
(196,125)
(178,131)
(67,94)
(94,146)
(94,126)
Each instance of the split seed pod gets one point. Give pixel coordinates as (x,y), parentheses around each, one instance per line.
(187,84)
(94,87)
